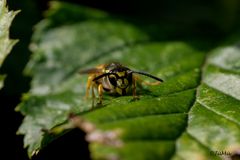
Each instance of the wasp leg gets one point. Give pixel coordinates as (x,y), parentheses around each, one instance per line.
(134,88)
(89,85)
(100,94)
(93,96)
(146,82)
(151,83)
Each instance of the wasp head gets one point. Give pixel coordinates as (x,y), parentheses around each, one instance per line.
(120,77)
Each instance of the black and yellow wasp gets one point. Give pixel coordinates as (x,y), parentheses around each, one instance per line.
(113,78)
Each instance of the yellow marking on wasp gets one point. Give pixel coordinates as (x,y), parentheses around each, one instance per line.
(112,76)
(125,81)
(106,71)
(121,74)
(119,82)
(119,91)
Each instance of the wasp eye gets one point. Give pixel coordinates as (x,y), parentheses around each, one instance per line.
(113,80)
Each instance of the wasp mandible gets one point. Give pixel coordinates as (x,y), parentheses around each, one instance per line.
(113,78)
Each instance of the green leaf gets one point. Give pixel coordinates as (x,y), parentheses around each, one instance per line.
(6,44)
(217,103)
(193,113)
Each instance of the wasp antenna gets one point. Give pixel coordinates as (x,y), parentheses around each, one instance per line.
(147,74)
(100,76)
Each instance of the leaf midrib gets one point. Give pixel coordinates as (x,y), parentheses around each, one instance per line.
(202,68)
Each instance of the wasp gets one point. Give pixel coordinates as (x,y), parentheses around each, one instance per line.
(113,78)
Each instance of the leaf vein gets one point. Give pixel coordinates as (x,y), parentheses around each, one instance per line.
(218,113)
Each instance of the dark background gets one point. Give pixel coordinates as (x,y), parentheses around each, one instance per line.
(208,22)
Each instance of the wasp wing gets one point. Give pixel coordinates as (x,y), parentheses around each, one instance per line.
(91,71)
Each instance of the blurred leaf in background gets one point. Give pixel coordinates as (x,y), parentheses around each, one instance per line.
(195,111)
(6,44)
(15,83)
